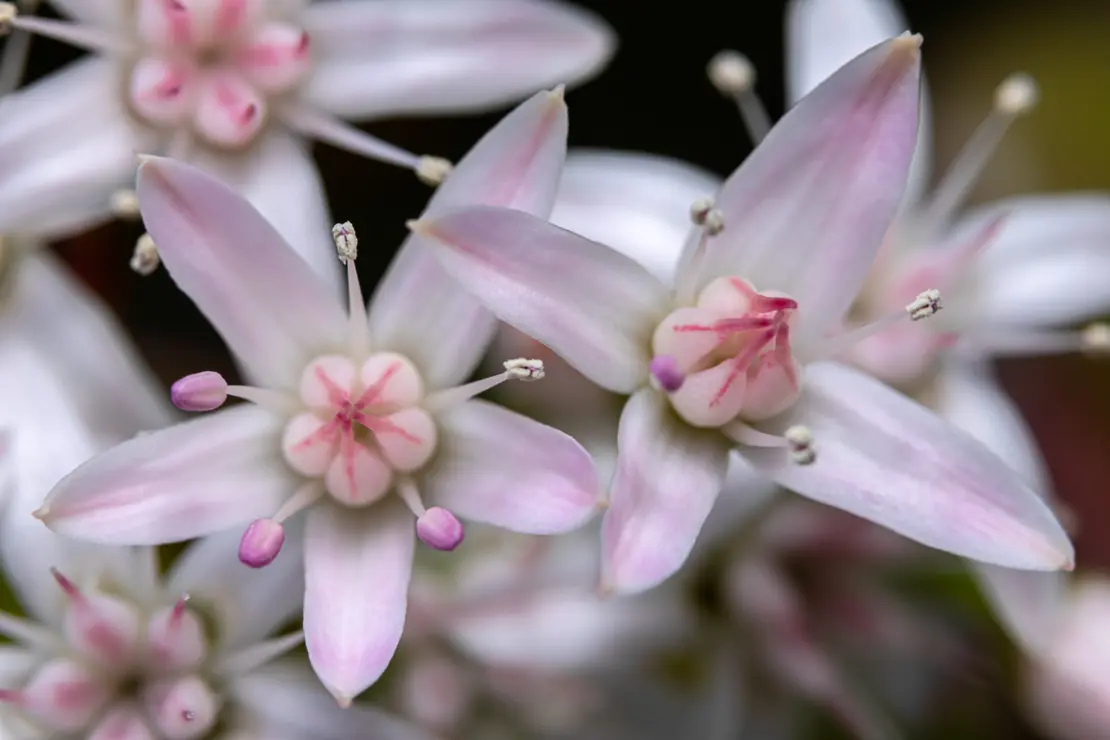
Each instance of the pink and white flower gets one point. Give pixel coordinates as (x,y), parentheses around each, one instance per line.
(734,354)
(233,85)
(356,406)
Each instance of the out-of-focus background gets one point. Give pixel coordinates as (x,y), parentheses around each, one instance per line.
(655,97)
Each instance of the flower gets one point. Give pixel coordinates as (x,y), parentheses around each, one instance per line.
(231,85)
(355,407)
(1013,272)
(734,355)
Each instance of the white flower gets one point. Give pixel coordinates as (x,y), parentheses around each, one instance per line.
(231,85)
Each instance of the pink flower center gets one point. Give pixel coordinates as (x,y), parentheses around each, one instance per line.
(729,356)
(212,66)
(363,425)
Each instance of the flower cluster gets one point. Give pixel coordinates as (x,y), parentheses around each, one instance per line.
(817,323)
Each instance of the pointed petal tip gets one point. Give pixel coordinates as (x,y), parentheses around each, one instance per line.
(419,226)
(41,513)
(343,700)
(557,95)
(907,43)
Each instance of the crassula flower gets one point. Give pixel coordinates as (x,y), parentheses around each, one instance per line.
(734,354)
(232,85)
(361,420)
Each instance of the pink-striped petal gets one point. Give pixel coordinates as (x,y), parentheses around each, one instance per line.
(886,458)
(668,477)
(264,300)
(503,468)
(421,311)
(391,57)
(590,304)
(357,568)
(806,212)
(185,481)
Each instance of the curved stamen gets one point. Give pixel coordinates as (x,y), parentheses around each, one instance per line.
(925,305)
(797,439)
(518,369)
(733,74)
(711,221)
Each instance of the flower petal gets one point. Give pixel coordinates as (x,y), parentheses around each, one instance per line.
(393,57)
(639,204)
(82,343)
(668,477)
(101,13)
(185,481)
(1028,603)
(286,699)
(806,212)
(590,304)
(1053,252)
(65,145)
(279,178)
(357,568)
(262,298)
(502,468)
(885,458)
(822,37)
(250,605)
(421,311)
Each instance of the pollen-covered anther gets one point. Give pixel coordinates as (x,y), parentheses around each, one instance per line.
(731,72)
(176,638)
(925,305)
(1017,94)
(703,213)
(524,369)
(1095,339)
(346,241)
(100,627)
(433,170)
(799,440)
(145,259)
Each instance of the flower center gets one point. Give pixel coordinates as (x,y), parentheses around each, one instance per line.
(362,426)
(212,66)
(729,356)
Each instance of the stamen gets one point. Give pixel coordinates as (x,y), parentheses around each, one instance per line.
(261,543)
(439,529)
(408,492)
(705,215)
(797,439)
(254,657)
(358,327)
(925,305)
(145,259)
(733,74)
(518,369)
(338,133)
(666,375)
(83,37)
(203,391)
(125,205)
(1014,97)
(433,170)
(14,59)
(1094,341)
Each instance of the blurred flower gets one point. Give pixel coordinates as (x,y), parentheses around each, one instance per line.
(232,85)
(1068,682)
(797,217)
(355,407)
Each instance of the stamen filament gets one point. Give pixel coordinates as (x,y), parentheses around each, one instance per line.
(14,61)
(1093,340)
(409,493)
(341,134)
(256,656)
(798,439)
(712,222)
(925,305)
(358,326)
(519,369)
(268,399)
(734,76)
(305,496)
(28,633)
(83,37)
(1013,98)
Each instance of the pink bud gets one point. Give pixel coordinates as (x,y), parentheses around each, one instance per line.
(124,723)
(664,369)
(62,694)
(439,529)
(160,90)
(276,58)
(102,628)
(229,111)
(183,709)
(199,392)
(176,638)
(261,543)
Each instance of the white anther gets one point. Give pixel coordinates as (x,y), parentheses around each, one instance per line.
(1016,95)
(433,170)
(731,72)
(145,259)
(125,204)
(8,13)
(524,369)
(800,441)
(699,210)
(925,305)
(1095,339)
(346,241)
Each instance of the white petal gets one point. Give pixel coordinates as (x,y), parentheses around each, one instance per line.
(263,299)
(885,458)
(206,475)
(391,57)
(499,467)
(279,177)
(639,204)
(101,13)
(421,311)
(592,305)
(668,477)
(249,604)
(285,698)
(85,346)
(807,211)
(15,665)
(66,145)
(357,569)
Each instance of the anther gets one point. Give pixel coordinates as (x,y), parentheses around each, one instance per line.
(261,543)
(925,305)
(1095,339)
(346,241)
(799,440)
(699,210)
(125,204)
(733,74)
(666,375)
(524,369)
(433,170)
(1017,94)
(439,529)
(203,391)
(145,259)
